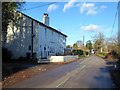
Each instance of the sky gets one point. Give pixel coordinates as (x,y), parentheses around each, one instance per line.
(76,19)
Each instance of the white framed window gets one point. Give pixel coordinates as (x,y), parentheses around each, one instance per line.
(45,32)
(52,33)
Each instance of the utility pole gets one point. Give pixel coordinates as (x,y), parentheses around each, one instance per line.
(119,29)
(83,40)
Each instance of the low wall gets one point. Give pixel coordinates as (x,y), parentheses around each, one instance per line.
(62,58)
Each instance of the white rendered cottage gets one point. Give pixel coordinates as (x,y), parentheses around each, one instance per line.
(31,38)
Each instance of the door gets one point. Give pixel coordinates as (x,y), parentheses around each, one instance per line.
(45,52)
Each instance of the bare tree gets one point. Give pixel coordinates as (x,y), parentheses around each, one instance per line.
(98,40)
(112,44)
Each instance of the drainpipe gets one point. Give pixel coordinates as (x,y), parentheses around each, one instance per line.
(32,40)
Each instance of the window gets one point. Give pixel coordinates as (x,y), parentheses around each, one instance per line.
(45,32)
(29,47)
(48,53)
(52,33)
(52,50)
(44,48)
(58,36)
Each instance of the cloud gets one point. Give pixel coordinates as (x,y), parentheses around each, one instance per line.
(106,29)
(103,7)
(69,5)
(91,27)
(78,4)
(90,8)
(52,7)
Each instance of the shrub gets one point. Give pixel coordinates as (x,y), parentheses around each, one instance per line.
(119,61)
(75,52)
(6,71)
(114,53)
(21,58)
(6,54)
(86,53)
(78,52)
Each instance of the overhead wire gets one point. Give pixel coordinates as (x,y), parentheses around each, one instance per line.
(115,18)
(38,6)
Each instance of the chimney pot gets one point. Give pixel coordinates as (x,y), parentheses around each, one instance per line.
(46,19)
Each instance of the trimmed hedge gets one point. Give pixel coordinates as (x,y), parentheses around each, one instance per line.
(78,52)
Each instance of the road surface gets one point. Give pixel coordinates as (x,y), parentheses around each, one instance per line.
(91,72)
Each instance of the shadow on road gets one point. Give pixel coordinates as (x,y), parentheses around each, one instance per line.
(104,79)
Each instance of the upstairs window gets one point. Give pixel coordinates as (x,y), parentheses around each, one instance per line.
(52,33)
(45,32)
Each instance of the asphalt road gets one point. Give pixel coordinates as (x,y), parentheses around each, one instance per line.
(91,72)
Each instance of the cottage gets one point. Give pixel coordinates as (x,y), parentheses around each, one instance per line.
(33,39)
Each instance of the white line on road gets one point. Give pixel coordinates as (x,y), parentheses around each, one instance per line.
(70,76)
(63,82)
(82,67)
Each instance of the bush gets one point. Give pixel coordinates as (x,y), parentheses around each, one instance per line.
(114,53)
(86,53)
(21,58)
(78,52)
(6,54)
(119,61)
(6,71)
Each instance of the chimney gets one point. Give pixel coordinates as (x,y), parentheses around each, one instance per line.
(46,19)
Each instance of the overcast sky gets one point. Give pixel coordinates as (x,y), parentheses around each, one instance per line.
(76,19)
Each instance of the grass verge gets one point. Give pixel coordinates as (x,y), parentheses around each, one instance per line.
(83,56)
(102,55)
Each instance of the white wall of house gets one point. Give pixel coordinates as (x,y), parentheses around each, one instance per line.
(46,41)
(50,42)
